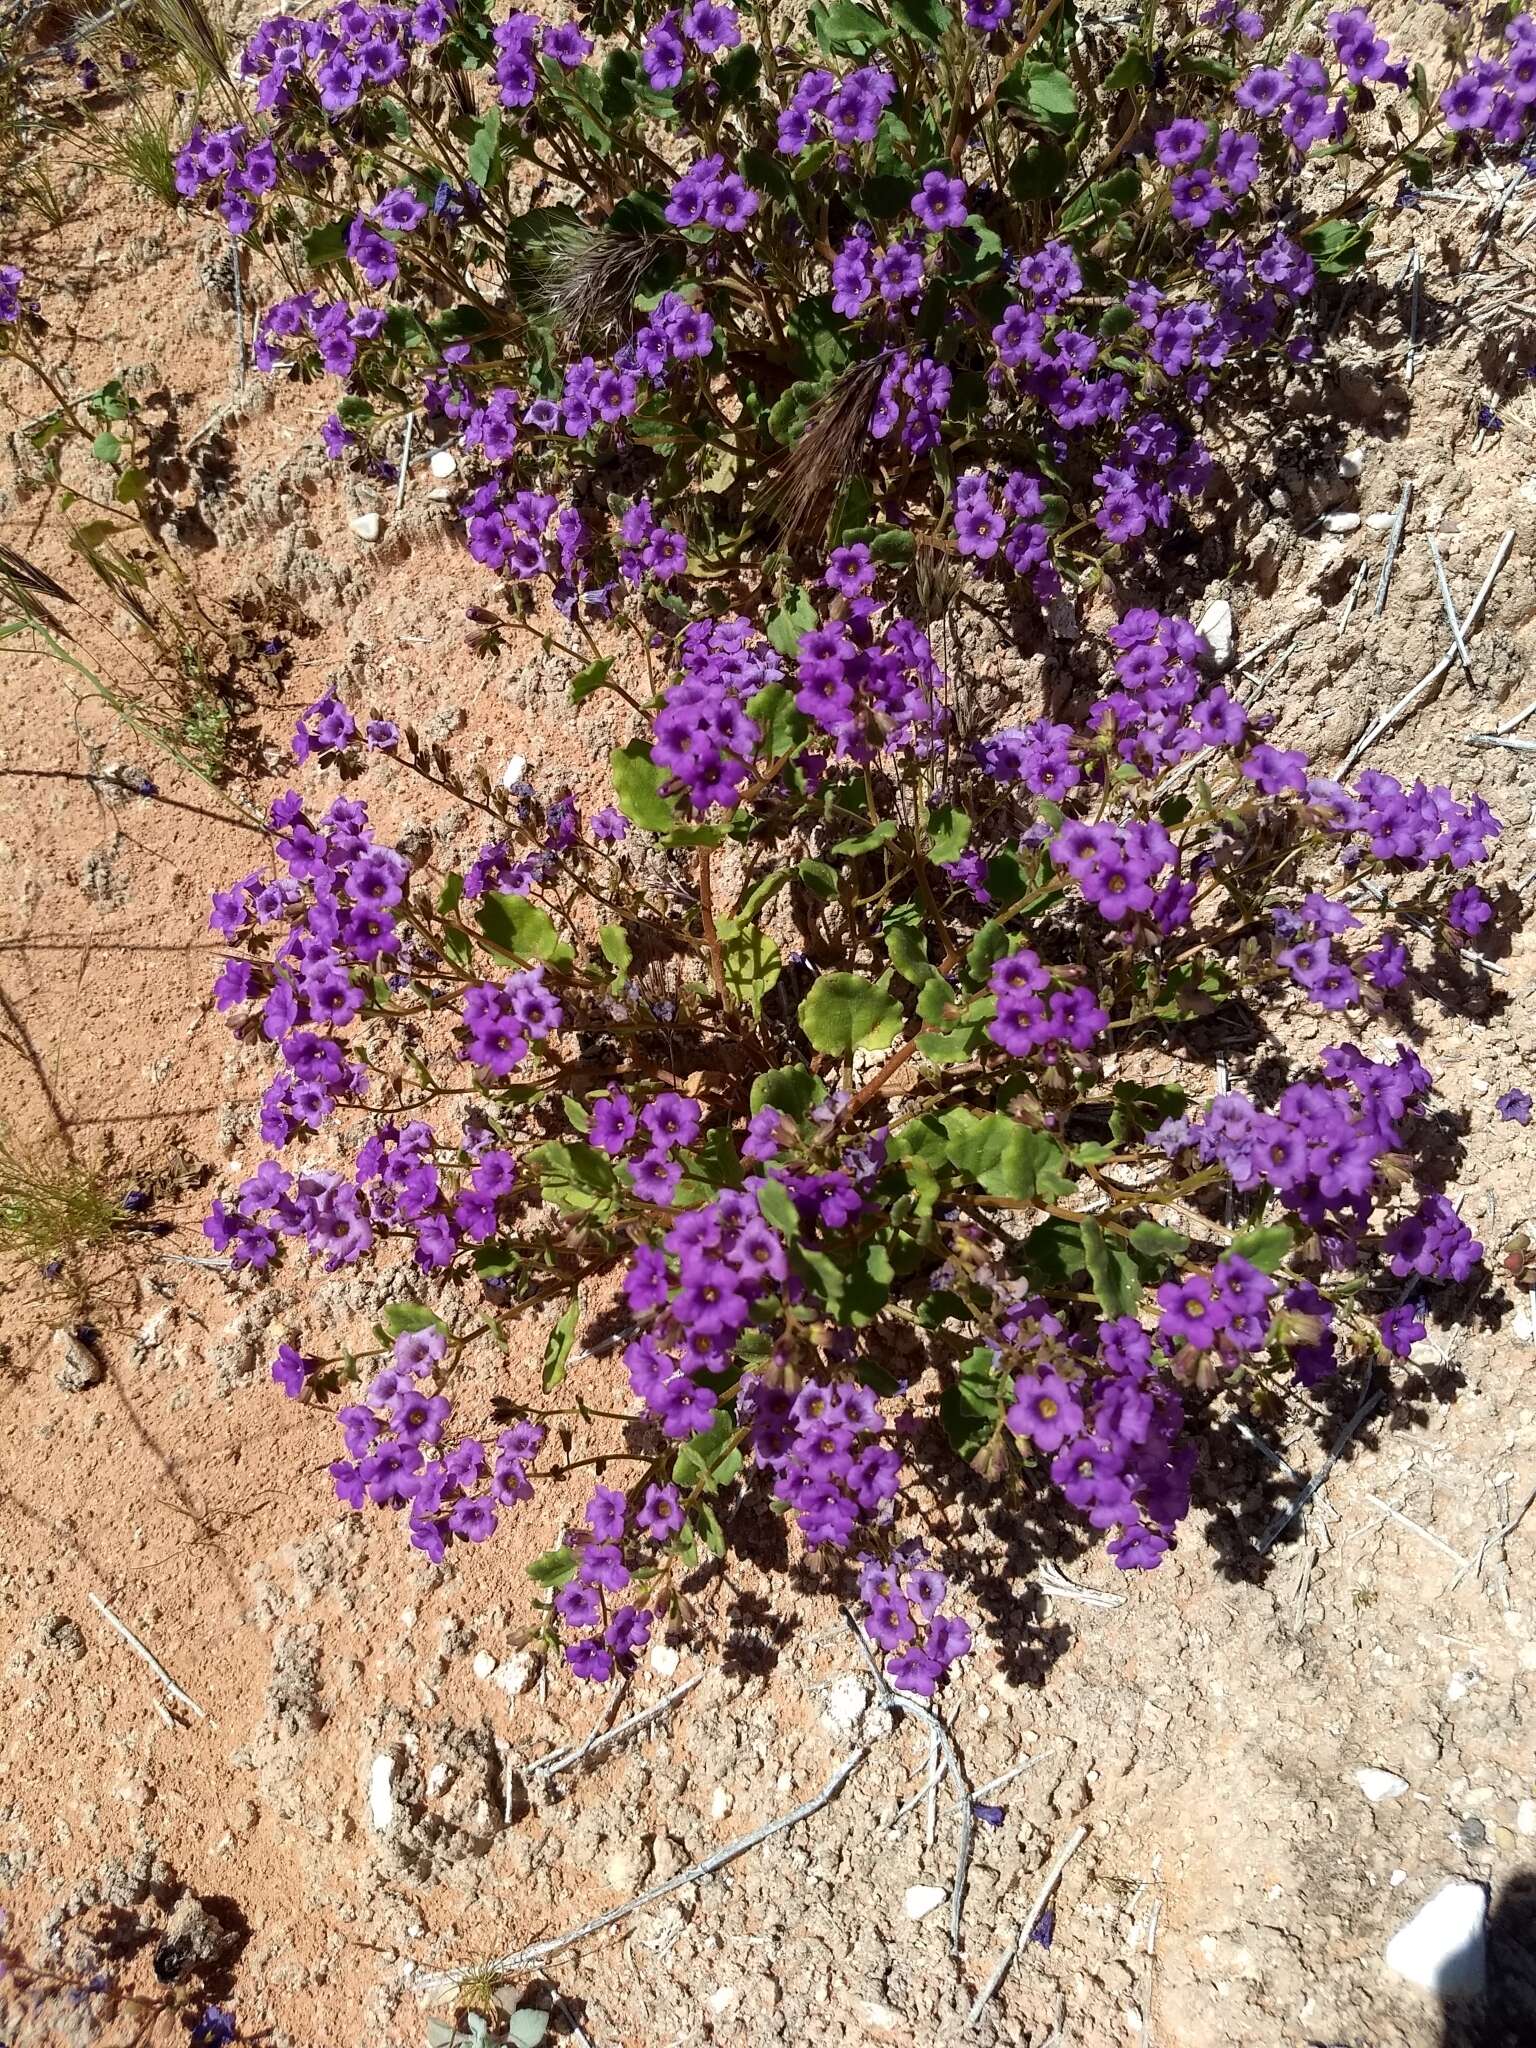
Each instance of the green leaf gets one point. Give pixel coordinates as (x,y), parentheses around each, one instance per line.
(1003,1156)
(773,1198)
(855,1285)
(794,1090)
(1104,200)
(451,895)
(846,26)
(576,1114)
(1111,1270)
(1337,246)
(866,842)
(555,1568)
(1266,1247)
(893,544)
(909,955)
(788,415)
(1133,73)
(1044,93)
(558,1349)
(403,1316)
(989,946)
(751,960)
(971,1410)
(1039,173)
(844,1014)
(527,2028)
(574,1177)
(637,785)
(106,447)
(818,878)
(1157,1241)
(949,832)
(738,73)
(590,680)
(616,948)
(782,726)
(925,19)
(518,930)
(796,616)
(704,1460)
(1053,1254)
(326,245)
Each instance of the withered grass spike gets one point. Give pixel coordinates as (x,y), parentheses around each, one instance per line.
(799,497)
(30,577)
(589,279)
(187,25)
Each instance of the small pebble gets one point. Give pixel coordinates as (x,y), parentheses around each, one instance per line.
(923,1899)
(366,525)
(1352,464)
(484,1664)
(1216,627)
(1340,522)
(1443,1948)
(444,464)
(1377,1784)
(663,1660)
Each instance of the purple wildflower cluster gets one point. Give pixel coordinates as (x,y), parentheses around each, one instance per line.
(704,30)
(708,195)
(244,171)
(11,280)
(703,735)
(845,110)
(1113,1435)
(903,1613)
(1495,96)
(347,52)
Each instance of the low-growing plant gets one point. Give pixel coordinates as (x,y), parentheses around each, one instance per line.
(699,303)
(898,1124)
(52,1205)
(854,1058)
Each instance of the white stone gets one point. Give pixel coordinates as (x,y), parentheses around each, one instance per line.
(440,495)
(1376,1784)
(516,1673)
(664,1660)
(720,1802)
(444,464)
(720,2002)
(847,1697)
(883,2019)
(1340,522)
(381,1792)
(1216,626)
(1525,1817)
(922,1899)
(1443,1948)
(484,1664)
(366,525)
(438,1779)
(1352,464)
(514,771)
(1381,522)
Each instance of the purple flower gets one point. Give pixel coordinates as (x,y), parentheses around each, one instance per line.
(1514,1105)
(941,202)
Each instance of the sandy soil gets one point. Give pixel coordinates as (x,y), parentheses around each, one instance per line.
(352,1801)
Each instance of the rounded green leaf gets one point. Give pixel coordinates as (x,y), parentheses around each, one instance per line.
(845,1014)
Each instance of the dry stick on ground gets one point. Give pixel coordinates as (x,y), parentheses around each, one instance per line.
(521,1960)
(560,1759)
(182,1698)
(1448,602)
(1442,668)
(1495,1540)
(1406,1521)
(905,1704)
(1048,1884)
(405,461)
(1394,542)
(601,1738)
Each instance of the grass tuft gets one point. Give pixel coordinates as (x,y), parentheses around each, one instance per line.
(50,1208)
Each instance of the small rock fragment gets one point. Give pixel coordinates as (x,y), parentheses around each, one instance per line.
(923,1899)
(516,1673)
(663,1660)
(444,464)
(1443,1948)
(366,525)
(484,1664)
(1340,522)
(78,1368)
(381,1792)
(1352,464)
(847,1697)
(1377,1784)
(1215,628)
